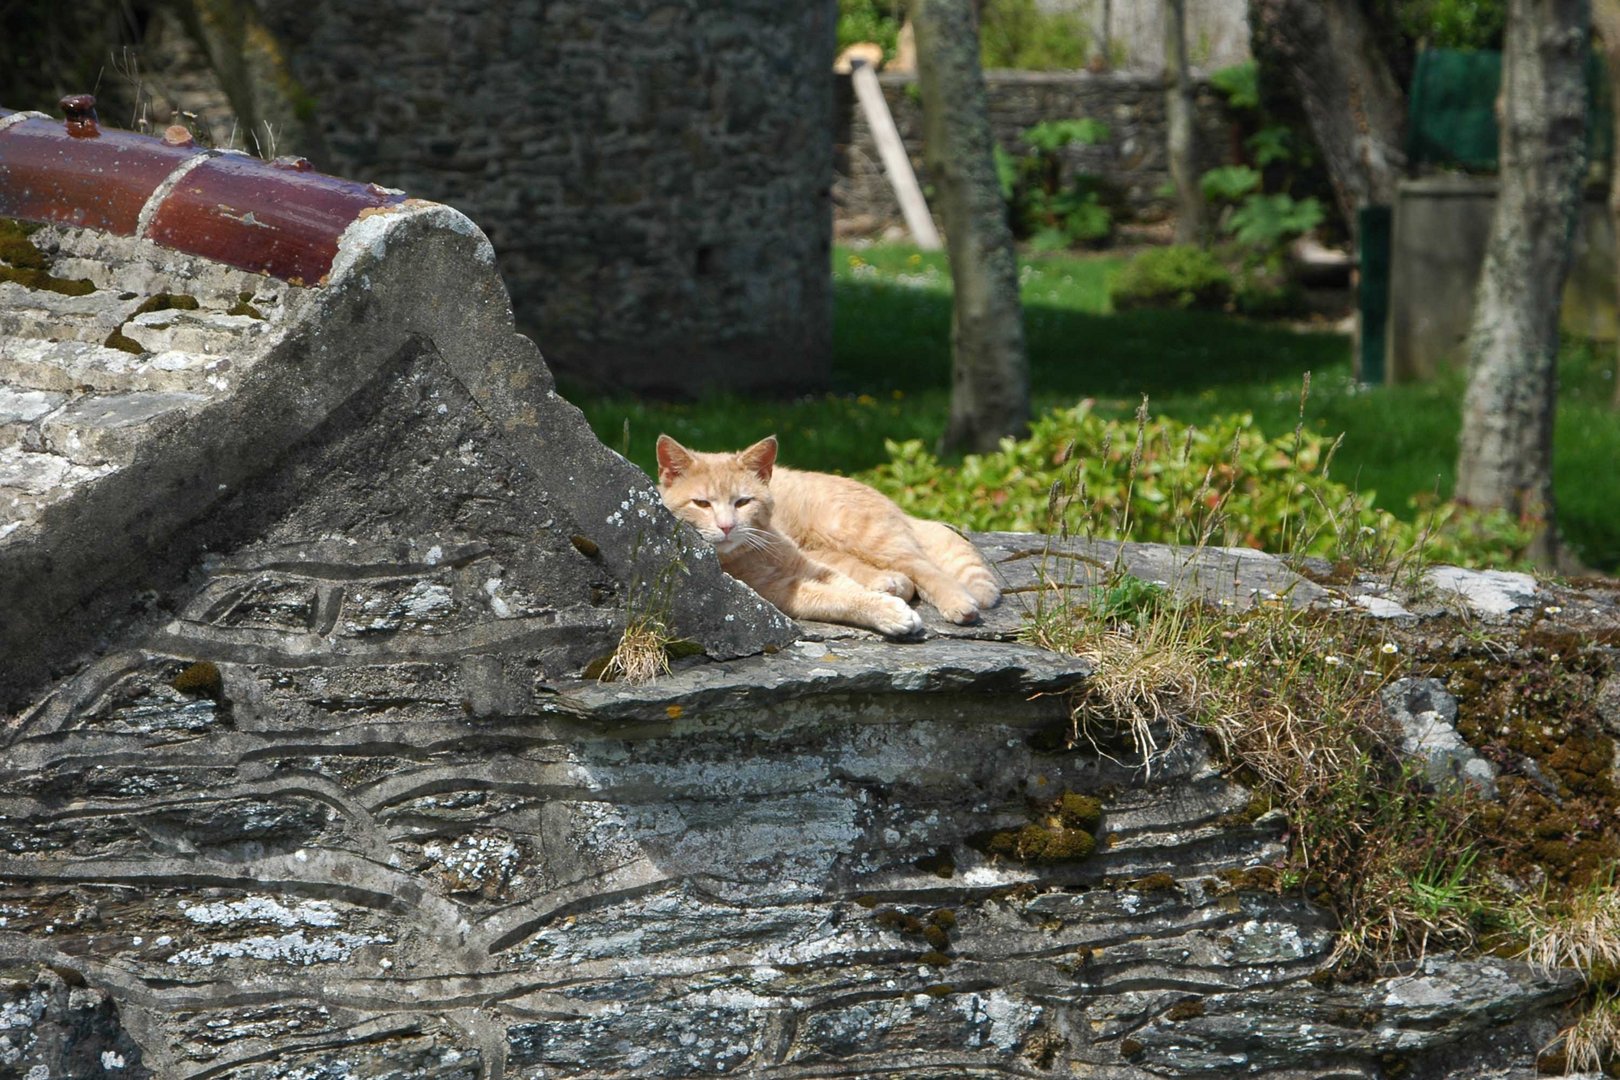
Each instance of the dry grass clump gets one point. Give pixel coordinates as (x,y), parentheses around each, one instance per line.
(1149,682)
(1593,1041)
(1581,932)
(642,654)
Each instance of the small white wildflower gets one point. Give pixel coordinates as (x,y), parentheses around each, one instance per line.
(1553,658)
(1332,661)
(1240,664)
(1389,648)
(1552,609)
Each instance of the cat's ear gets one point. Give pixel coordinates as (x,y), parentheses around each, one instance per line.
(673,459)
(760,458)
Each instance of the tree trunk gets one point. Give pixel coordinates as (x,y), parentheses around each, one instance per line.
(1355,107)
(1505,453)
(1606,21)
(989,371)
(1178,108)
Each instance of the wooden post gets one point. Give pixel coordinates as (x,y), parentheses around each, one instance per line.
(895,161)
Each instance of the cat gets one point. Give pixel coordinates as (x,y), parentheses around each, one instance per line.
(823,547)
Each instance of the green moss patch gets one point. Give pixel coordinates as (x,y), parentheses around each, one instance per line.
(1080,811)
(23,263)
(1185,1010)
(117,340)
(202,679)
(1064,830)
(940,863)
(244,306)
(1532,713)
(167,302)
(935,931)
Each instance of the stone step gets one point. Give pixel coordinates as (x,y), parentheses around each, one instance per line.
(20,408)
(53,316)
(31,481)
(105,429)
(67,367)
(125,265)
(205,332)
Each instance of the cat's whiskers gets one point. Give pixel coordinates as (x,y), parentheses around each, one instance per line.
(746,536)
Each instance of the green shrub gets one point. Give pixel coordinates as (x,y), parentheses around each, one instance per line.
(1266,222)
(1050,136)
(1229,183)
(1240,83)
(1052,214)
(1018,34)
(877,21)
(1163,481)
(1180,276)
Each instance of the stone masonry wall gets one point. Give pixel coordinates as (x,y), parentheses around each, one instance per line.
(1134,158)
(653,173)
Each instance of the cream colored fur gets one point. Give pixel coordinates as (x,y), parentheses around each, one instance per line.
(819,546)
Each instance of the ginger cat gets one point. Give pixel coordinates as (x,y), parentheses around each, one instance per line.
(819,546)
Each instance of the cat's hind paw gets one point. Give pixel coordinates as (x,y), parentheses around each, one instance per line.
(984,590)
(895,618)
(895,584)
(962,614)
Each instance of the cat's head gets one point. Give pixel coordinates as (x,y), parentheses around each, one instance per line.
(726,497)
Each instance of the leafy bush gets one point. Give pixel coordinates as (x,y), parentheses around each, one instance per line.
(1453,24)
(1053,214)
(877,21)
(1267,222)
(1163,481)
(1018,34)
(1180,276)
(1240,83)
(1050,136)
(1229,183)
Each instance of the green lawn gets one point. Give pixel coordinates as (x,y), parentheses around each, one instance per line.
(890,380)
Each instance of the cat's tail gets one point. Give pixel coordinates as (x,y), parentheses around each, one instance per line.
(956,555)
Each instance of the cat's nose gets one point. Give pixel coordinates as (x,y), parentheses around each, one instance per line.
(725,528)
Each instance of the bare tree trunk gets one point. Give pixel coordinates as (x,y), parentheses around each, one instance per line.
(1606,21)
(989,370)
(1505,454)
(1351,99)
(1178,108)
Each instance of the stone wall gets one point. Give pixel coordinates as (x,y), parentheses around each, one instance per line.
(356,859)
(1134,159)
(653,173)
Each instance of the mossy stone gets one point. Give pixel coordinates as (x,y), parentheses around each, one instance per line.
(202,679)
(1080,811)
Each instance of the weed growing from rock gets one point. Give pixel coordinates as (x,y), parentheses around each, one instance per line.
(644,650)
(1581,932)
(1289,695)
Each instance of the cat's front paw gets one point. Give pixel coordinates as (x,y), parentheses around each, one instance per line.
(893,617)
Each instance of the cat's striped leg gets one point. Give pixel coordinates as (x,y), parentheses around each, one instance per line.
(956,555)
(892,582)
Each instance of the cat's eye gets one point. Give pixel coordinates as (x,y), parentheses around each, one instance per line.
(701,504)
(744,501)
